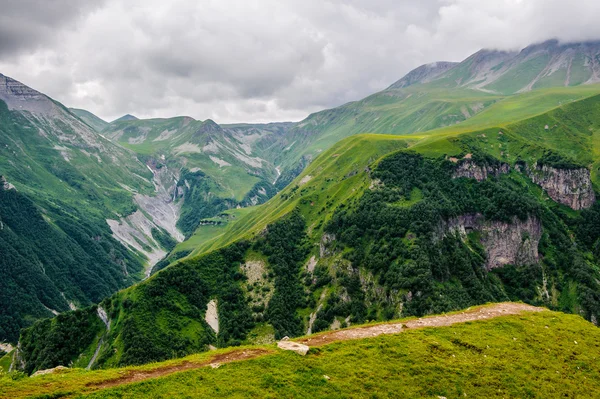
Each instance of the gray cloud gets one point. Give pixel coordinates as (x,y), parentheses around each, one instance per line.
(243,60)
(31,24)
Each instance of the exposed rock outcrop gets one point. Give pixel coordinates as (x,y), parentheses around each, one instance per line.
(326,244)
(570,187)
(19,97)
(504,243)
(375,293)
(212,315)
(472,170)
(104,317)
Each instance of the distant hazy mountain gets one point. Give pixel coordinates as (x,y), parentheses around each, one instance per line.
(548,64)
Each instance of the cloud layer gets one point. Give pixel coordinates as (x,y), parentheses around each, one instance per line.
(252,61)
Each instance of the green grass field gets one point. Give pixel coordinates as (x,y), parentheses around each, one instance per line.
(207,233)
(532,355)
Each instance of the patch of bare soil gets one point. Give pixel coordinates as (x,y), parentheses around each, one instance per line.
(215,361)
(488,312)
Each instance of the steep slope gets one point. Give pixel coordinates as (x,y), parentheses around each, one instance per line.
(445,94)
(201,171)
(542,353)
(214,168)
(92,120)
(548,64)
(423,74)
(61,182)
(463,219)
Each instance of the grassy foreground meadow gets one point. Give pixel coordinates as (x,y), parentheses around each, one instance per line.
(532,355)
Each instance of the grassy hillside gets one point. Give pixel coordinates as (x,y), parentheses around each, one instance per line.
(544,354)
(361,235)
(337,175)
(417,109)
(58,251)
(340,173)
(92,120)
(363,150)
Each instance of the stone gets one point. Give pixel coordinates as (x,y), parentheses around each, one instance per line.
(212,315)
(300,349)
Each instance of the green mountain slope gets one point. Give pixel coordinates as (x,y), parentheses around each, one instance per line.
(61,183)
(354,237)
(92,120)
(532,354)
(430,97)
(480,88)
(547,64)
(447,220)
(214,168)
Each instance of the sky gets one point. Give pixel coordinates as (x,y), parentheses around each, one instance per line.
(257,61)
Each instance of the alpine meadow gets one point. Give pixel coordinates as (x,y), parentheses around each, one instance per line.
(438,238)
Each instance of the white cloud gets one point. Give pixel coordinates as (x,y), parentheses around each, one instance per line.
(243,60)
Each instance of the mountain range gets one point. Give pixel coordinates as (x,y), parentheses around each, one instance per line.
(459,184)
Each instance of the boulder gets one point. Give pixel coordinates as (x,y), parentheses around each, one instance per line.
(293,346)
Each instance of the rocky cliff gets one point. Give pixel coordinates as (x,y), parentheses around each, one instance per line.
(472,170)
(570,187)
(504,243)
(19,97)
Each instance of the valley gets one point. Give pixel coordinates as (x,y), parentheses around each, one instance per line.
(147,240)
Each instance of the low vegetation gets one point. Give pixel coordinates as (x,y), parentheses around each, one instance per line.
(545,354)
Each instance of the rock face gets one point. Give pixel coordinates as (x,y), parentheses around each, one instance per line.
(104,317)
(505,243)
(472,170)
(19,97)
(326,244)
(212,315)
(570,187)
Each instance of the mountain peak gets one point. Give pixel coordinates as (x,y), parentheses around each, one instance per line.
(126,117)
(423,74)
(20,97)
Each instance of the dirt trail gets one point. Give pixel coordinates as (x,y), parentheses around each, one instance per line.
(488,312)
(480,313)
(215,361)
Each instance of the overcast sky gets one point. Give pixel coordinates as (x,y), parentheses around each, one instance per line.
(256,61)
